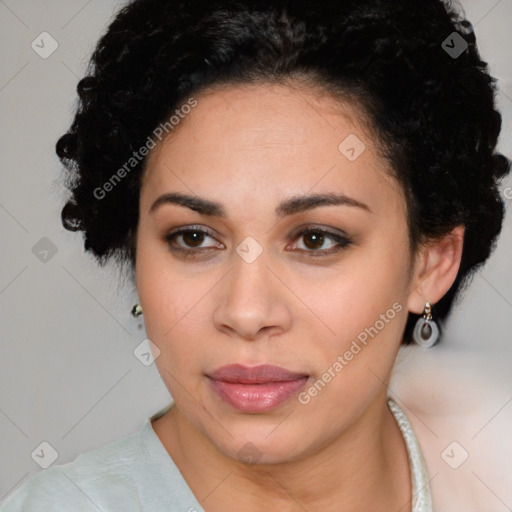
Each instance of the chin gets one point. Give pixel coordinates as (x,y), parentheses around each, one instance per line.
(260,448)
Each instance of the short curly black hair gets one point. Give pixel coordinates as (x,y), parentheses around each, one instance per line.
(432,110)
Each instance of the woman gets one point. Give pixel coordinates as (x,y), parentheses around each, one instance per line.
(298,190)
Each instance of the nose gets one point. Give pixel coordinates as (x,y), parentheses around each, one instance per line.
(253,302)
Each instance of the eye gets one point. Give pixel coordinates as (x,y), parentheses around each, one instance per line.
(188,241)
(314,239)
(192,237)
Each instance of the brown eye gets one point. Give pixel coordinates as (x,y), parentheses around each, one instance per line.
(192,238)
(188,240)
(315,238)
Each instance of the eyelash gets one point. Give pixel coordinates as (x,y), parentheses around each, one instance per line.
(343,242)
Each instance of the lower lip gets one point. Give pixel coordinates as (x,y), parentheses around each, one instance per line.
(257,397)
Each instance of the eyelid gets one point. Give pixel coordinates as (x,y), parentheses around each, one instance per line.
(186,229)
(306,228)
(341,239)
(192,227)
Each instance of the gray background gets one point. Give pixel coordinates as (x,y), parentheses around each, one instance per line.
(68,373)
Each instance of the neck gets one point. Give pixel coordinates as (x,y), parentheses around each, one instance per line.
(364,468)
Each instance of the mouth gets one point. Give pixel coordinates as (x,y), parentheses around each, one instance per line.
(256,389)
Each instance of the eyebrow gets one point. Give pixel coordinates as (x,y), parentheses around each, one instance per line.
(290,206)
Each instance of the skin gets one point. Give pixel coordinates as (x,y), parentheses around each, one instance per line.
(249,148)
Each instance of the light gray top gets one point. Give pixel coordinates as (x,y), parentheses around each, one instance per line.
(137,474)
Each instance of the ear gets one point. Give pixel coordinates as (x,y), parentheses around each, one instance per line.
(436,267)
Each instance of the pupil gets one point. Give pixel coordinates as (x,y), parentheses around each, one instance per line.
(316,238)
(194,236)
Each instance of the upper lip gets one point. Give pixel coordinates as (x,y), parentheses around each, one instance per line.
(254,374)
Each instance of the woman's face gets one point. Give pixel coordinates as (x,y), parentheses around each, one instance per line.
(247,288)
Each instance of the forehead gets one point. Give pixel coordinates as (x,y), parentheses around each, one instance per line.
(270,141)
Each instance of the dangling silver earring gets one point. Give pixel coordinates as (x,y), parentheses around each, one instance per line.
(426,332)
(136,310)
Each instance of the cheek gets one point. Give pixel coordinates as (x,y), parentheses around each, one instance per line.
(367,314)
(361,292)
(174,313)
(364,308)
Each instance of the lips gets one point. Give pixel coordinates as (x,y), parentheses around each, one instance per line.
(256,389)
(261,374)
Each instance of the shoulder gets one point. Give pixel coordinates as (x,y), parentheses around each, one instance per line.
(101,479)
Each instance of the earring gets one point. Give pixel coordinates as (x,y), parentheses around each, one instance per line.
(136,310)
(426,332)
